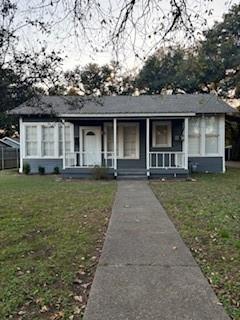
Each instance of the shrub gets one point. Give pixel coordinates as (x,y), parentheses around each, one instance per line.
(26,168)
(100,173)
(41,170)
(56,170)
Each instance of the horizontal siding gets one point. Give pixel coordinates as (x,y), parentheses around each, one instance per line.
(48,164)
(207,164)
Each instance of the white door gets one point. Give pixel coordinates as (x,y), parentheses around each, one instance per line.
(90,146)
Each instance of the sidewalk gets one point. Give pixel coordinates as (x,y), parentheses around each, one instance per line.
(146,272)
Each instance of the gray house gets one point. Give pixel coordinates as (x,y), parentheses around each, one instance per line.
(152,136)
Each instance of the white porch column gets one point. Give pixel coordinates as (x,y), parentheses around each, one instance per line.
(186,143)
(147,147)
(64,148)
(115,145)
(222,141)
(22,144)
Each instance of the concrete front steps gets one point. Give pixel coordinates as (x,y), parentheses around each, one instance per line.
(132,174)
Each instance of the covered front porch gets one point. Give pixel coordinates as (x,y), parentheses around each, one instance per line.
(147,147)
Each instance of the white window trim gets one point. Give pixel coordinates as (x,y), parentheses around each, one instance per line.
(25,139)
(221,132)
(169,138)
(120,125)
(39,139)
(200,136)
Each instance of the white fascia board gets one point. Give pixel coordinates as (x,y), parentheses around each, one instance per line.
(125,115)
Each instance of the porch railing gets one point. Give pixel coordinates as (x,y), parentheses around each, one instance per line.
(89,159)
(167,160)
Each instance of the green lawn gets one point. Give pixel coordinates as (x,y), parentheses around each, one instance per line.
(207,215)
(51,233)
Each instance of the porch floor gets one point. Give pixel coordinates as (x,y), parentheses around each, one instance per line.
(136,173)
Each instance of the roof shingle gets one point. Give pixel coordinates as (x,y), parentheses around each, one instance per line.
(155,104)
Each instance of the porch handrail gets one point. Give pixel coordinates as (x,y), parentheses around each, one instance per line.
(79,159)
(167,159)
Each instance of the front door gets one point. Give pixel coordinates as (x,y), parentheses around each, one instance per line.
(90,146)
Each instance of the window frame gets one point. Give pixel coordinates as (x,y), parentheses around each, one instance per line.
(220,135)
(39,126)
(120,148)
(169,134)
(43,141)
(26,141)
(200,137)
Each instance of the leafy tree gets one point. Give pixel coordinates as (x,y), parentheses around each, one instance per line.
(159,72)
(219,53)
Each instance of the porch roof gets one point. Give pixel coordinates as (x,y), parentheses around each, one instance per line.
(123,105)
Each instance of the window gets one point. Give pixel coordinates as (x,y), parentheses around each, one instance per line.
(46,139)
(68,138)
(194,136)
(31,140)
(60,140)
(109,134)
(127,140)
(48,142)
(162,134)
(211,135)
(203,136)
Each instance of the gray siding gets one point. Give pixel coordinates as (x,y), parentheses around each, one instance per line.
(206,164)
(48,164)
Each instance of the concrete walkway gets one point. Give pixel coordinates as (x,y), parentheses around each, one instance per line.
(146,272)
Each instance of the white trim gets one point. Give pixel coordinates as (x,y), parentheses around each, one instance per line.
(105,149)
(205,156)
(121,125)
(81,135)
(202,137)
(63,146)
(39,139)
(222,140)
(148,146)
(119,140)
(90,128)
(115,145)
(186,143)
(124,115)
(22,144)
(169,137)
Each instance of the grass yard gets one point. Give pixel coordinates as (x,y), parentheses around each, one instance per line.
(207,215)
(51,234)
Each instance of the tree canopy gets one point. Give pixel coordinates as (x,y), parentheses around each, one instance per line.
(213,64)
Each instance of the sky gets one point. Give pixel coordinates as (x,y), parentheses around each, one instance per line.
(92,46)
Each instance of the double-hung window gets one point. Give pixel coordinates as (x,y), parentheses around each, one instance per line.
(68,138)
(31,140)
(204,136)
(194,136)
(161,134)
(48,141)
(45,140)
(211,135)
(127,140)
